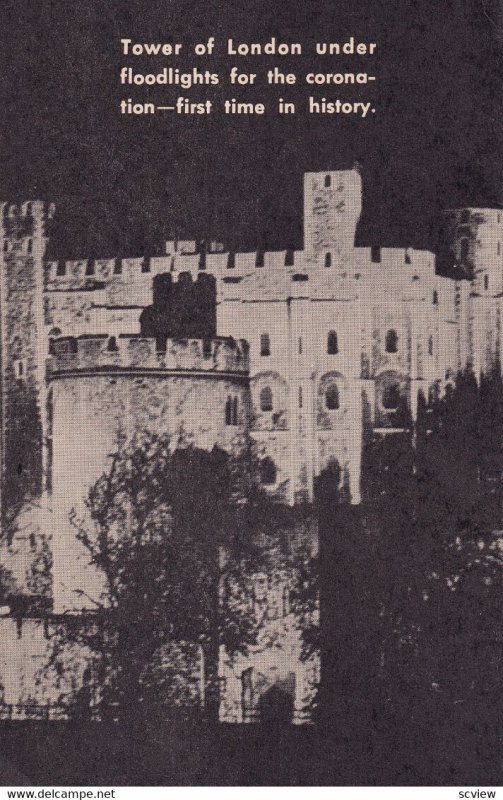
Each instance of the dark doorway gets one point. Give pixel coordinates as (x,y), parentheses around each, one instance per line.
(276,706)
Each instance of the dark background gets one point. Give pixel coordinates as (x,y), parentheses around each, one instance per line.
(122,184)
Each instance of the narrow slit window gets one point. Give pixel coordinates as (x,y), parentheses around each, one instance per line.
(268,471)
(228,411)
(391,397)
(332,397)
(328,260)
(266,399)
(375,254)
(265,345)
(332,344)
(391,341)
(20,369)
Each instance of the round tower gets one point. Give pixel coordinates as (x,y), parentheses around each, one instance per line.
(101,387)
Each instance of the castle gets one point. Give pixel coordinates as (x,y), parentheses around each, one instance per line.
(302,350)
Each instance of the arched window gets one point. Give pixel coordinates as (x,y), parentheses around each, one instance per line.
(332,344)
(235,411)
(328,181)
(464,249)
(391,341)
(112,345)
(465,216)
(391,396)
(6,246)
(328,259)
(332,397)
(90,266)
(266,399)
(486,282)
(30,246)
(430,346)
(265,345)
(268,471)
(435,297)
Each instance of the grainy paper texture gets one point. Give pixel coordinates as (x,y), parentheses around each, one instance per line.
(251,405)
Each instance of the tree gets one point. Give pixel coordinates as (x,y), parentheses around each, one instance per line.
(458,510)
(409,581)
(176,534)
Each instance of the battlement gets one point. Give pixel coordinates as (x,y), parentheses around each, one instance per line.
(76,273)
(91,354)
(189,246)
(23,221)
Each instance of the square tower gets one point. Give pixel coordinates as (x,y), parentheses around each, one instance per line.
(332,208)
(23,350)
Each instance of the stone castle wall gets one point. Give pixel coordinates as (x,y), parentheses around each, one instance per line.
(101,388)
(337,339)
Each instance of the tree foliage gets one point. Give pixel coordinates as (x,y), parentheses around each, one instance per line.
(176,533)
(410,580)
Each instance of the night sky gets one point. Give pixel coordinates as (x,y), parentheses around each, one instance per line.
(123,184)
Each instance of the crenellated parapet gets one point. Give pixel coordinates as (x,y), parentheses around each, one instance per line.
(21,224)
(89,355)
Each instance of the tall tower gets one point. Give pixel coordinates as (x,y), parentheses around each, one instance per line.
(472,241)
(332,208)
(22,351)
(474,237)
